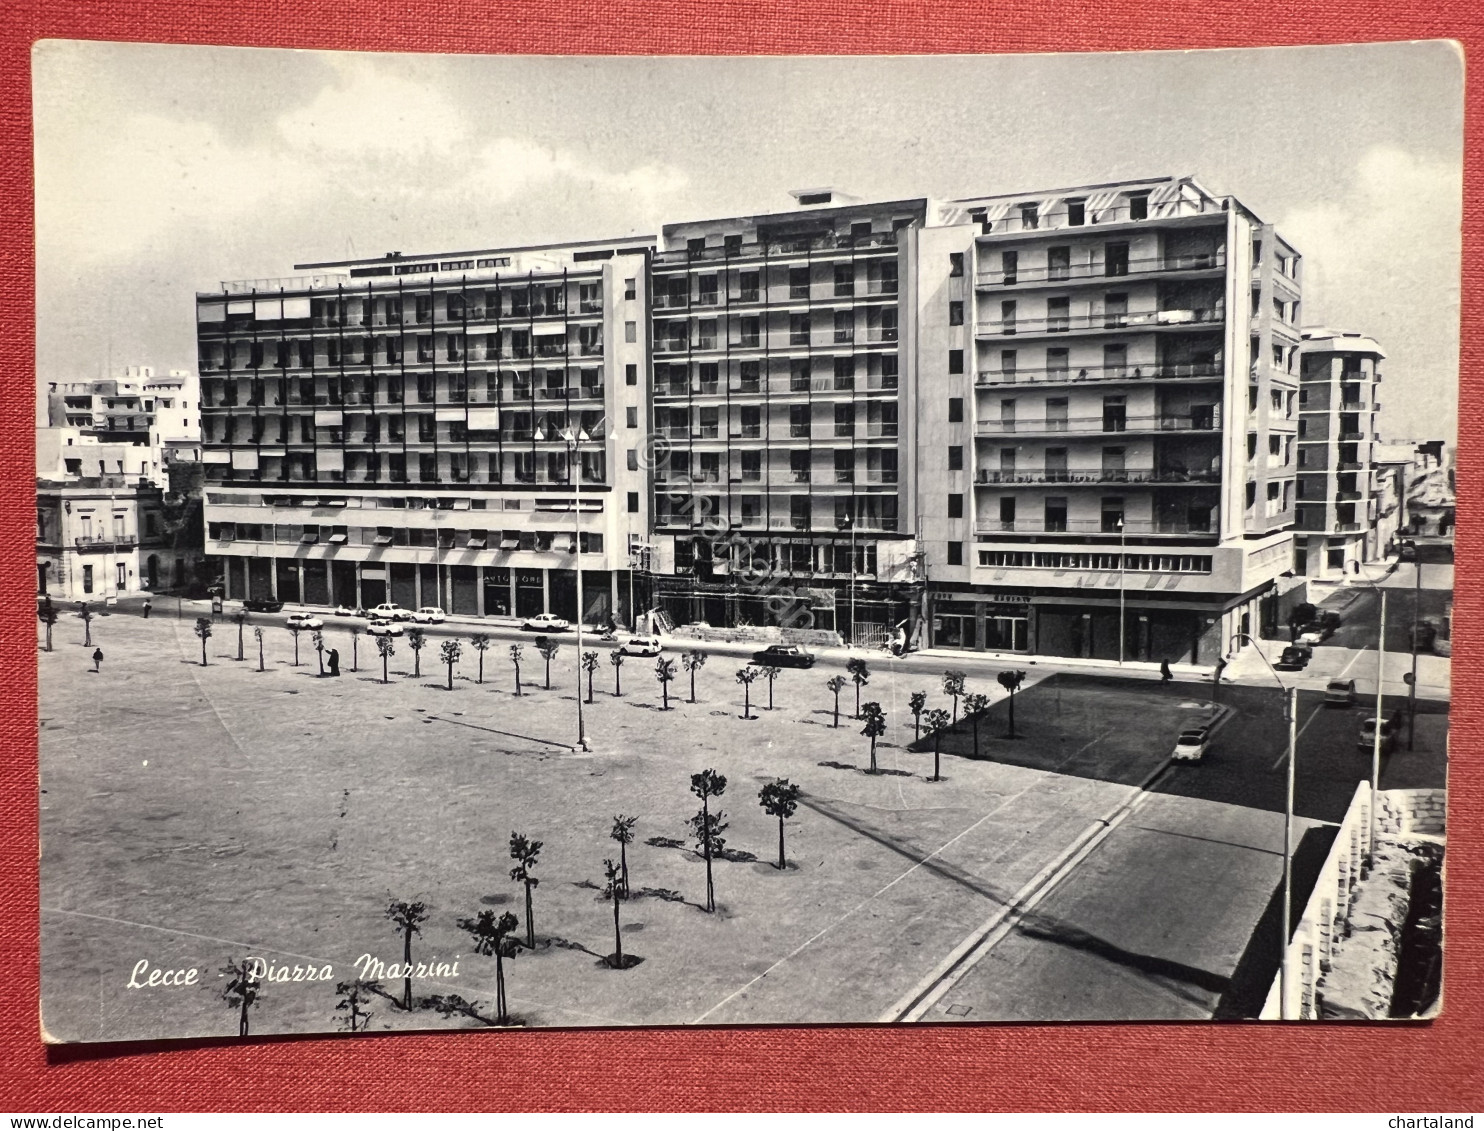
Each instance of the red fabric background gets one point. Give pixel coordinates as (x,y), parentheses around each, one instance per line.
(1433,1067)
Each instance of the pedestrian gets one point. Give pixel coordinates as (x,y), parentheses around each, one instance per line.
(1165,674)
(147,608)
(97,658)
(334,661)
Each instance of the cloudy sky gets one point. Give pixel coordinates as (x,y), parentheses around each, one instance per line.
(162,170)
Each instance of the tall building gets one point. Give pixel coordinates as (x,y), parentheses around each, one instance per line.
(1110,388)
(454,430)
(1339,502)
(1060,422)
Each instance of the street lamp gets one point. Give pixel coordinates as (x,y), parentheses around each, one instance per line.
(1376,743)
(1291,709)
(1122,546)
(572,438)
(850,525)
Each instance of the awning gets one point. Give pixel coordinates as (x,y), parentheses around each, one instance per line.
(510,541)
(296,308)
(245,459)
(211,312)
(309,536)
(329,459)
(448,412)
(240,306)
(484,419)
(328,418)
(337,538)
(383,540)
(216,455)
(331,501)
(475,542)
(267,310)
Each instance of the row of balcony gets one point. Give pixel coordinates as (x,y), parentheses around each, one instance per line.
(776,298)
(1110,269)
(825,340)
(1108,423)
(1102,321)
(777,386)
(1093,476)
(1060,375)
(1111,524)
(517,394)
(795,432)
(821,246)
(790,479)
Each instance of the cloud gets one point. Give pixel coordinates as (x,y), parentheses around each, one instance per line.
(368,114)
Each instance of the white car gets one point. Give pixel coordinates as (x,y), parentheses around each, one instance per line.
(641,646)
(1191,745)
(390,610)
(429,614)
(382,627)
(347,611)
(304,620)
(545,622)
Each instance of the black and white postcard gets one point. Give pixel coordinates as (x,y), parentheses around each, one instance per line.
(539,541)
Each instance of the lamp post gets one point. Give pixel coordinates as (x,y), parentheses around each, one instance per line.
(1122,546)
(1412,683)
(1291,709)
(850,526)
(572,438)
(1376,741)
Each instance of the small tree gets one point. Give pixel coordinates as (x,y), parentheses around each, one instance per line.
(860,675)
(355,647)
(708,826)
(589,665)
(257,634)
(953,685)
(47,614)
(317,638)
(242,990)
(86,612)
(548,649)
(294,631)
(385,647)
(875,727)
(623,832)
(515,653)
(615,658)
(203,630)
(835,683)
(1011,682)
(664,671)
(693,661)
(416,638)
(495,937)
(613,891)
(917,704)
(769,673)
(352,997)
(239,618)
(974,706)
(745,676)
(526,854)
(937,722)
(779,799)
(405,917)
(450,651)
(480,642)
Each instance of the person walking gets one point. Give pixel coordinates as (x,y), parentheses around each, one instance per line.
(147,608)
(97,658)
(1165,674)
(334,661)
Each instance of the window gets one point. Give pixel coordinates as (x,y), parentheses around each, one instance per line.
(1138,206)
(87,579)
(798,329)
(955,264)
(630,289)
(955,361)
(706,290)
(1030,216)
(955,457)
(631,416)
(747,283)
(845,420)
(844,465)
(956,313)
(1058,262)
(955,553)
(630,331)
(844,280)
(1009,266)
(798,420)
(749,332)
(1076,213)
(844,326)
(955,410)
(955,506)
(798,282)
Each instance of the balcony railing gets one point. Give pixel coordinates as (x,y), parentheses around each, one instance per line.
(1100,425)
(1090,476)
(100,540)
(1034,221)
(1062,375)
(1133,319)
(1208,261)
(1110,526)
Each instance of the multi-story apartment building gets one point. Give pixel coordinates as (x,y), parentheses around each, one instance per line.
(1060,422)
(1339,488)
(781,494)
(458,430)
(1109,376)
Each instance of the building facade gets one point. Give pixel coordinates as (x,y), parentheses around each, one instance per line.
(457,430)
(1340,486)
(1062,422)
(100,537)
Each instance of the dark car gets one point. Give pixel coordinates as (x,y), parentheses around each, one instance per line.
(1295,658)
(262,605)
(1407,552)
(783,656)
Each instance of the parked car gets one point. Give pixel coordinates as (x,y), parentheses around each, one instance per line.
(545,622)
(1339,693)
(641,646)
(1390,727)
(390,610)
(304,620)
(381,627)
(429,614)
(261,605)
(1316,632)
(347,611)
(783,656)
(1191,745)
(1295,658)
